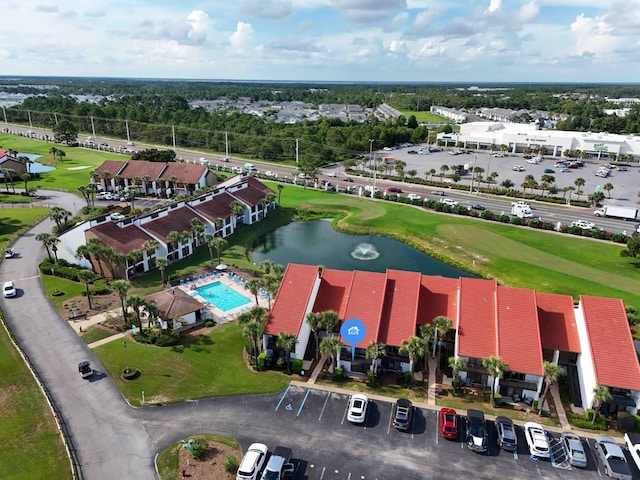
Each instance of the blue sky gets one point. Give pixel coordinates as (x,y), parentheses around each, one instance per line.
(325,40)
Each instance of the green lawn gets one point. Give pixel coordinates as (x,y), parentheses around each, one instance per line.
(95,333)
(424,117)
(15,221)
(210,365)
(31,444)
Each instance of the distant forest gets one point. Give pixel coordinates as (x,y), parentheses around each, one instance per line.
(155,110)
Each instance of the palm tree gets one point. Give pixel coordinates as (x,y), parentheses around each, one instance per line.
(150,246)
(82,252)
(507,184)
(314,320)
(218,223)
(373,352)
(146,179)
(208,240)
(442,325)
(218,243)
(496,368)
(286,341)
(580,182)
(608,187)
(161,263)
(237,209)
(174,237)
(197,227)
(121,287)
(253,331)
(457,364)
(330,320)
(137,303)
(413,347)
(48,240)
(96,249)
(600,395)
(253,286)
(551,374)
(427,334)
(87,277)
(60,216)
(153,312)
(280,187)
(330,345)
(25,177)
(443,169)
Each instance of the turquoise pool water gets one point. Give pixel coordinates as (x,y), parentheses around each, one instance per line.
(221,296)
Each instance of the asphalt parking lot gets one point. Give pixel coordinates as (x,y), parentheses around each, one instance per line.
(375,450)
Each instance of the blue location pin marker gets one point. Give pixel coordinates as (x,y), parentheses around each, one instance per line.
(353,331)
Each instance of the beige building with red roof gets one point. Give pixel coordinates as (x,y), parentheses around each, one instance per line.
(591,341)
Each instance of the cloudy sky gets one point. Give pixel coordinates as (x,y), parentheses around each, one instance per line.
(325,40)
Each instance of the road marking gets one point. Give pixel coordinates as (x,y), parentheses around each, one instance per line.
(349,477)
(390,419)
(324,406)
(437,428)
(282,398)
(322,474)
(344,415)
(515,454)
(288,407)
(303,400)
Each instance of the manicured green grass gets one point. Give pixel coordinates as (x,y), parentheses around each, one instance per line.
(95,333)
(424,117)
(31,444)
(210,365)
(168,461)
(15,221)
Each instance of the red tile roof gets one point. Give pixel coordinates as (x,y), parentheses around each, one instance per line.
(111,166)
(176,220)
(217,207)
(123,240)
(612,349)
(477,326)
(140,168)
(398,320)
(517,320)
(333,293)
(252,193)
(558,329)
(439,296)
(292,300)
(184,172)
(365,302)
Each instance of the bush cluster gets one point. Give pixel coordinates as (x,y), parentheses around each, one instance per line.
(584,421)
(199,447)
(230,463)
(264,361)
(296,366)
(159,338)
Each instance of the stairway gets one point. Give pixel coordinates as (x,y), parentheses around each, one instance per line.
(574,385)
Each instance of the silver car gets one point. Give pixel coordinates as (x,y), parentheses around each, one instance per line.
(574,449)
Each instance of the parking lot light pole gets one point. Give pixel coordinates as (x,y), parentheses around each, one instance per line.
(473,173)
(126,362)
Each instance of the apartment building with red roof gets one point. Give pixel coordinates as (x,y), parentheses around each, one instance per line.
(591,340)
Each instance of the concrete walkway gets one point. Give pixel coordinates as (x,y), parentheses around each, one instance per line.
(562,415)
(316,371)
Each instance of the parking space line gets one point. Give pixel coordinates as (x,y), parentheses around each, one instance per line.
(324,406)
(349,477)
(390,419)
(322,474)
(303,400)
(283,396)
(344,415)
(515,454)
(437,427)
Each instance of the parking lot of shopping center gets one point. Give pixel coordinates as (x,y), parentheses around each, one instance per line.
(333,448)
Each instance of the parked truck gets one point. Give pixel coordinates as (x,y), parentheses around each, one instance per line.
(279,466)
(521,210)
(615,211)
(612,458)
(633,444)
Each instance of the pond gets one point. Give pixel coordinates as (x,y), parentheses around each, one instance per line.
(316,243)
(36,167)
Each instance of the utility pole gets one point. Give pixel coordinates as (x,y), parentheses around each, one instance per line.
(226,145)
(93,128)
(297,151)
(126,123)
(173,134)
(473,173)
(374,165)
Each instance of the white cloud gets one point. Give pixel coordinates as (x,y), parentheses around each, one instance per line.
(494,6)
(242,38)
(528,12)
(273,9)
(592,35)
(198,22)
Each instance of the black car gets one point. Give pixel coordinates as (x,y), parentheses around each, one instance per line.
(476,431)
(478,206)
(506,433)
(404,414)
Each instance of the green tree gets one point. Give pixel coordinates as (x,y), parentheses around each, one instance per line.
(121,287)
(330,345)
(49,241)
(600,395)
(427,334)
(161,263)
(65,132)
(442,326)
(219,243)
(253,331)
(237,209)
(457,364)
(579,183)
(373,352)
(413,348)
(551,374)
(330,320)
(496,368)
(608,187)
(197,227)
(253,286)
(314,320)
(87,277)
(137,303)
(287,341)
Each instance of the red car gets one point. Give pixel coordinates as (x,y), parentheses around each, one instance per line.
(394,190)
(449,423)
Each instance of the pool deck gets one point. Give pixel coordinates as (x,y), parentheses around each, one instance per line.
(231,281)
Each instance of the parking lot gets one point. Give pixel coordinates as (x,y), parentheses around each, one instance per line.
(327,446)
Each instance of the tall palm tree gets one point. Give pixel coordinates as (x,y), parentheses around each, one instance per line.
(330,345)
(161,263)
(218,223)
(49,240)
(286,341)
(82,252)
(146,179)
(87,277)
(456,364)
(496,368)
(314,320)
(442,326)
(197,227)
(280,187)
(136,302)
(253,286)
(413,347)
(427,334)
(173,237)
(579,183)
(208,241)
(121,287)
(330,320)
(551,374)
(218,243)
(237,209)
(600,395)
(253,331)
(150,246)
(373,352)
(96,249)
(608,187)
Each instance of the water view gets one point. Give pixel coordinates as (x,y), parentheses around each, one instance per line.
(316,243)
(35,167)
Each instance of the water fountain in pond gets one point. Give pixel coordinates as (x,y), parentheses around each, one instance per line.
(365,251)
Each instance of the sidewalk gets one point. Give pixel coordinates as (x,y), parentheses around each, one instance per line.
(83,326)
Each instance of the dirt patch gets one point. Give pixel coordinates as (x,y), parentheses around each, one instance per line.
(209,467)
(80,305)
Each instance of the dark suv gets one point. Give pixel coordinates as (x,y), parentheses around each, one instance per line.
(506,434)
(404,414)
(476,431)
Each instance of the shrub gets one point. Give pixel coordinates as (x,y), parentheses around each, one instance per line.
(619,238)
(637,418)
(534,405)
(230,463)
(535,223)
(199,447)
(130,373)
(487,215)
(281,363)
(296,365)
(264,361)
(167,338)
(626,422)
(338,374)
(209,323)
(504,218)
(516,221)
(497,398)
(581,421)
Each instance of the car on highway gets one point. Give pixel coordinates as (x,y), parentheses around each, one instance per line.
(236,169)
(549,170)
(477,437)
(518,168)
(478,206)
(438,193)
(537,440)
(252,462)
(394,190)
(520,203)
(225,159)
(303,176)
(622,169)
(412,152)
(506,431)
(331,174)
(450,201)
(414,196)
(573,449)
(271,174)
(357,410)
(498,155)
(348,179)
(404,414)
(8,289)
(448,423)
(584,224)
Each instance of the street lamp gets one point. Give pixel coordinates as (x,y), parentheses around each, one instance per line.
(374,165)
(126,362)
(473,172)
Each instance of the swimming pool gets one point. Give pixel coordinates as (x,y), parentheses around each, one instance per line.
(221,296)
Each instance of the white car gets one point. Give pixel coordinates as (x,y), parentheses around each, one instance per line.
(584,224)
(271,174)
(104,196)
(518,168)
(498,155)
(537,440)
(535,161)
(357,408)
(236,169)
(414,196)
(332,174)
(303,176)
(9,289)
(450,201)
(116,217)
(252,462)
(520,203)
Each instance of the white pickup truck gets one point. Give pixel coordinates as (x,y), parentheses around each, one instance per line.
(633,444)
